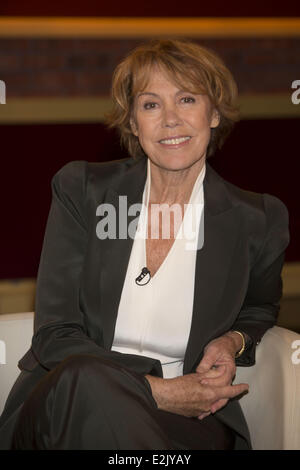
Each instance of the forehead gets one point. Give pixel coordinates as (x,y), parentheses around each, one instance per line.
(156,75)
(158,82)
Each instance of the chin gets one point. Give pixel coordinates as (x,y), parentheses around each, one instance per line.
(176,163)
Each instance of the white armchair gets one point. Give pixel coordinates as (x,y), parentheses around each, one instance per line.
(271,408)
(16,331)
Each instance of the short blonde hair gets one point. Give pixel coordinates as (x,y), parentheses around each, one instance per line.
(192,67)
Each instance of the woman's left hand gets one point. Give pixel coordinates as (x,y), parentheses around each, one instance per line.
(218,365)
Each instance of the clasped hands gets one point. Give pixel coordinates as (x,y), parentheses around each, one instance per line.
(205,391)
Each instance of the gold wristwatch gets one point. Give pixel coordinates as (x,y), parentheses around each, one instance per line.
(246,343)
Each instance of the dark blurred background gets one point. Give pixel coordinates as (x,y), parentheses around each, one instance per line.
(57,90)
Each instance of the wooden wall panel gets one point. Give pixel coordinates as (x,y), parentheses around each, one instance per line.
(84,67)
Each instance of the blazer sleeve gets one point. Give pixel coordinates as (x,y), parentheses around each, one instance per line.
(262,302)
(59,327)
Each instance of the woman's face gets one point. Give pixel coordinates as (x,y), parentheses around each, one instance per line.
(172,125)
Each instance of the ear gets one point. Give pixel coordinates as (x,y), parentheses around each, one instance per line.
(215,119)
(133,127)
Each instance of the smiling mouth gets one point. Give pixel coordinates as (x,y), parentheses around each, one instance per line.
(175,140)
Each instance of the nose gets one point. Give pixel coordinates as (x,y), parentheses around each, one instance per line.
(170,117)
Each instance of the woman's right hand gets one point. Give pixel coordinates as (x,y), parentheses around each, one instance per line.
(185,395)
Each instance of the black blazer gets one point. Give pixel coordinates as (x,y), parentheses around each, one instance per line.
(237,284)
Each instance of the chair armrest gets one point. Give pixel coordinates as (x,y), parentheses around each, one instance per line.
(271,407)
(16,330)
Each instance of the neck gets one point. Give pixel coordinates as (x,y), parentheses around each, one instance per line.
(173,186)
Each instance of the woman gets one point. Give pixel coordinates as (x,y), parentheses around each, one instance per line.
(137,334)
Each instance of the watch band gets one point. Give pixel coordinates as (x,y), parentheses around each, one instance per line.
(240,352)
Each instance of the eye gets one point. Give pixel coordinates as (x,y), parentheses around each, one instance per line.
(188,99)
(149,105)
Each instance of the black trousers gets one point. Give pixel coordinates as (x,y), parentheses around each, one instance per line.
(91,403)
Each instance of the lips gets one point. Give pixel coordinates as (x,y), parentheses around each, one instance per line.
(175,140)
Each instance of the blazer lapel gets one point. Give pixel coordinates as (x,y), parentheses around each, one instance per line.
(217,268)
(127,191)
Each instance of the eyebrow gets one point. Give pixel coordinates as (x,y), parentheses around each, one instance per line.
(157,96)
(148,93)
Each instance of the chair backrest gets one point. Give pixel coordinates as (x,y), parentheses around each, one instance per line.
(15,338)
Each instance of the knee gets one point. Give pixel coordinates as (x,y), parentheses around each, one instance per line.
(90,367)
(78,363)
(94,372)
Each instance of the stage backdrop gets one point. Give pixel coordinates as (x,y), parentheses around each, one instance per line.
(58,72)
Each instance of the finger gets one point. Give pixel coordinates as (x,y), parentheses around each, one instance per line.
(222,378)
(204,415)
(213,373)
(222,381)
(231,391)
(206,363)
(218,405)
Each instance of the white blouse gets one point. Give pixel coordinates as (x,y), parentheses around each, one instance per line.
(154,319)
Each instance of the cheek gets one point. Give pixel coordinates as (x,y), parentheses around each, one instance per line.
(142,134)
(202,123)
(146,132)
